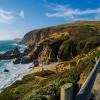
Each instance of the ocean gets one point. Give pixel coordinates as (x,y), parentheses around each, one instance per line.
(16,72)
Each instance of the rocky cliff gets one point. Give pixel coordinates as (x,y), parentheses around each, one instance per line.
(62,42)
(73,47)
(85,28)
(59,43)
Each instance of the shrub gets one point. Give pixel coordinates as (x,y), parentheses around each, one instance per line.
(74,75)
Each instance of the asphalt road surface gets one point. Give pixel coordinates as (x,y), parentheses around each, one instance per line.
(96,87)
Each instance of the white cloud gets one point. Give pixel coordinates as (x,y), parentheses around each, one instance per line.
(8,16)
(5,16)
(22,14)
(62,11)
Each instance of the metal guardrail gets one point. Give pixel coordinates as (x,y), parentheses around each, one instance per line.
(85,91)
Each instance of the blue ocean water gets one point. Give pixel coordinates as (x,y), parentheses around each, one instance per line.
(7,45)
(15,71)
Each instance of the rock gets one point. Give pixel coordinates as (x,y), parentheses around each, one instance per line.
(67,50)
(37,51)
(29,54)
(28,49)
(30,67)
(17,61)
(50,51)
(6,70)
(13,52)
(16,51)
(36,63)
(54,45)
(10,54)
(91,44)
(26,60)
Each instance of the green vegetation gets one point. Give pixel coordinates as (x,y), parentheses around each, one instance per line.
(77,50)
(31,88)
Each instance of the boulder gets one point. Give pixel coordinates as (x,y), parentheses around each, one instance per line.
(10,54)
(17,61)
(13,52)
(6,70)
(26,60)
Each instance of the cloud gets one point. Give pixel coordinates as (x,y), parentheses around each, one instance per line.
(7,17)
(68,13)
(22,14)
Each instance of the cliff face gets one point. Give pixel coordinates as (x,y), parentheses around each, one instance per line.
(76,45)
(45,84)
(81,29)
(62,42)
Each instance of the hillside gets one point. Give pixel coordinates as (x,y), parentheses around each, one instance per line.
(61,42)
(46,83)
(76,28)
(60,54)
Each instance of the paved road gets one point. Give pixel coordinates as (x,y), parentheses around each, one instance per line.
(96,87)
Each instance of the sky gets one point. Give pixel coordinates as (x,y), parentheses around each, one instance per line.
(17,17)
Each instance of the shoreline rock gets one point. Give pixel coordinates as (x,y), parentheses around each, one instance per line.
(6,70)
(15,53)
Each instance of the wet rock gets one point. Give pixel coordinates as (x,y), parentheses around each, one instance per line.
(26,60)
(10,54)
(17,61)
(13,52)
(6,70)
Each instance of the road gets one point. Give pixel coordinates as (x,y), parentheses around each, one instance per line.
(96,87)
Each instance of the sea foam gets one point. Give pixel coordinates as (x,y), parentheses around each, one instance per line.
(16,72)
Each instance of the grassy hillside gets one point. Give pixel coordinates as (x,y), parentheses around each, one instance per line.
(83,28)
(38,86)
(73,46)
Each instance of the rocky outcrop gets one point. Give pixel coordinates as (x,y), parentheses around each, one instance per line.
(72,47)
(6,70)
(10,54)
(36,63)
(35,36)
(30,55)
(67,50)
(77,29)
(50,51)
(61,42)
(91,44)
(17,60)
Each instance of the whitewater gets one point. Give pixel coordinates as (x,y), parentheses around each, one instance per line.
(16,72)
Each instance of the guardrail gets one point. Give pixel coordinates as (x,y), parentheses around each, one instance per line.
(85,91)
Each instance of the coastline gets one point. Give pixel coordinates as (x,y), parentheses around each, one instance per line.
(14,72)
(42,68)
(17,76)
(31,70)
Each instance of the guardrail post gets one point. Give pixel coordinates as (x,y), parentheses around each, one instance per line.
(66,91)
